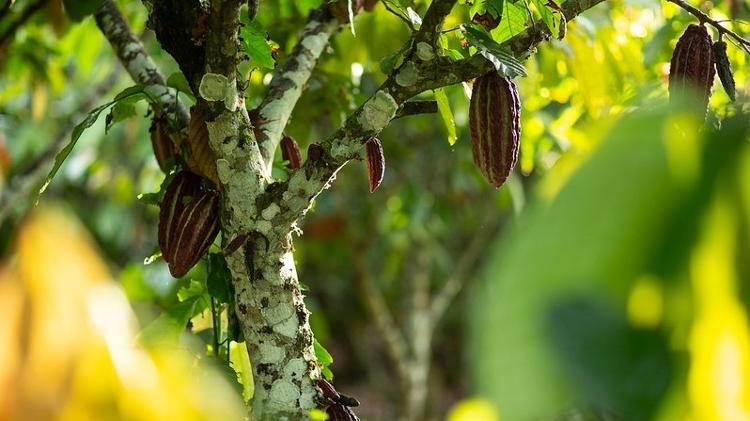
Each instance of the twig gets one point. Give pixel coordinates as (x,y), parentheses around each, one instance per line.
(139,64)
(464,266)
(5,7)
(704,18)
(398,15)
(26,14)
(395,343)
(290,79)
(30,177)
(417,107)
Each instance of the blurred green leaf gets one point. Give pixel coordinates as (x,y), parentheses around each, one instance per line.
(646,196)
(129,93)
(79,9)
(219,279)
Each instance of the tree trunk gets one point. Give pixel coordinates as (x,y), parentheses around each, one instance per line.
(274,319)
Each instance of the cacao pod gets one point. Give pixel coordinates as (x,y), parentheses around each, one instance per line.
(180,190)
(691,70)
(488,21)
(494,119)
(162,142)
(375,163)
(339,412)
(328,391)
(200,158)
(290,152)
(194,231)
(724,68)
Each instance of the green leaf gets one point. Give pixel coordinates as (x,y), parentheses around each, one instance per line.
(170,324)
(256,46)
(177,80)
(481,7)
(219,279)
(79,9)
(149,198)
(324,358)
(391,61)
(513,23)
(503,59)
(80,128)
(119,112)
(546,15)
(444,107)
(398,8)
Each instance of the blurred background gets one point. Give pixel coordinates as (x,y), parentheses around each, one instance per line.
(609,279)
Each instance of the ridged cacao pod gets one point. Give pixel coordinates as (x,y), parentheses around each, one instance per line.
(375,163)
(339,412)
(495,122)
(180,190)
(290,152)
(328,390)
(188,222)
(161,141)
(724,68)
(195,230)
(691,70)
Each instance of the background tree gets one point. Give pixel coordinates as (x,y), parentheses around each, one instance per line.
(238,84)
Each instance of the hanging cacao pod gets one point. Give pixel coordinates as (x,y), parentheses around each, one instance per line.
(194,231)
(375,163)
(180,190)
(494,119)
(339,412)
(161,141)
(691,70)
(290,152)
(724,68)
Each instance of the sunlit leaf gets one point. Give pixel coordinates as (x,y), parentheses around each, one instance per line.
(513,22)
(444,107)
(256,46)
(133,91)
(501,57)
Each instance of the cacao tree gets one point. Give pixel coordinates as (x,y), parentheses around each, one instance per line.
(237,184)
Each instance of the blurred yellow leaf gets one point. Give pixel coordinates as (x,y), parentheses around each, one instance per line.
(473,410)
(68,334)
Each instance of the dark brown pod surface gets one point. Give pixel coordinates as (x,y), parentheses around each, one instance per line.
(290,152)
(375,163)
(339,412)
(724,68)
(691,70)
(195,230)
(180,190)
(494,119)
(161,141)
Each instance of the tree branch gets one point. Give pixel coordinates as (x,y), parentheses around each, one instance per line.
(290,79)
(704,18)
(25,15)
(465,264)
(139,64)
(409,108)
